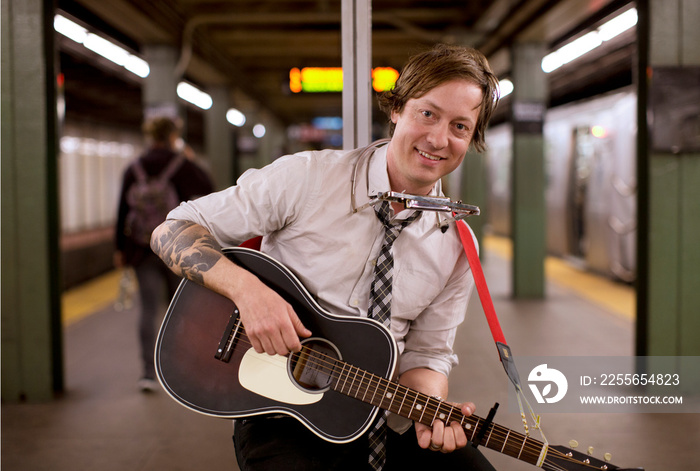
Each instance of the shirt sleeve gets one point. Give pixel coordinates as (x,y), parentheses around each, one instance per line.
(263,201)
(429,342)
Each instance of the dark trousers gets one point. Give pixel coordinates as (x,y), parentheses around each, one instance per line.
(157,285)
(284,444)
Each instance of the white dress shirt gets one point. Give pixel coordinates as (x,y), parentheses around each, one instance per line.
(301,204)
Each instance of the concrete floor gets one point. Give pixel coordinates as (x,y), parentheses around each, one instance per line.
(103,422)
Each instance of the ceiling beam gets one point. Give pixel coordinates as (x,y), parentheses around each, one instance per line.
(123,16)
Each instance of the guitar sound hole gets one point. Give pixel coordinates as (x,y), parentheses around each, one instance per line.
(313,367)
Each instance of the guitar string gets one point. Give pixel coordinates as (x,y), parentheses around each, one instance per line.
(328,365)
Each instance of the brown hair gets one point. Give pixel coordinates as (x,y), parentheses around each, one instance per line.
(160,129)
(442,63)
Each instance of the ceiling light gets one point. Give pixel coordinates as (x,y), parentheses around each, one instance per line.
(235,117)
(571,51)
(101,46)
(589,41)
(618,25)
(505,88)
(138,66)
(106,49)
(258,130)
(69,29)
(194,95)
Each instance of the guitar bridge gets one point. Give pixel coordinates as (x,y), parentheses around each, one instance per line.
(229,338)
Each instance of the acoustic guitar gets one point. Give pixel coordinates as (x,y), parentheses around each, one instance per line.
(335,385)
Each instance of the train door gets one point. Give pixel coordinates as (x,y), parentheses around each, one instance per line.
(580,171)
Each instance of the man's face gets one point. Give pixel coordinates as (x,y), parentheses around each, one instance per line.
(432,136)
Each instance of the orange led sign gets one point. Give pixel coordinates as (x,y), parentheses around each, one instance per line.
(384,78)
(330,79)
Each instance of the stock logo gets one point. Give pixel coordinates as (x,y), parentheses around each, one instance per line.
(541,374)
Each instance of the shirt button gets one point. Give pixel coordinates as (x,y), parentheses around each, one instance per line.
(355,302)
(373,263)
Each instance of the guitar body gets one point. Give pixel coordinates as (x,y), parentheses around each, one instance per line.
(197,323)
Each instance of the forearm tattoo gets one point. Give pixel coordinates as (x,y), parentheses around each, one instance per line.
(185,249)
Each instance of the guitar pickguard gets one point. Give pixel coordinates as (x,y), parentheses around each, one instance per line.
(267,376)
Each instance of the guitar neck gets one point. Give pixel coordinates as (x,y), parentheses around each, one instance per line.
(419,407)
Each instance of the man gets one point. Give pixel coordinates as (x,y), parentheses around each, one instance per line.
(189,181)
(304,207)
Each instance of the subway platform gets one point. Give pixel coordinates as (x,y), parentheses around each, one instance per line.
(104,422)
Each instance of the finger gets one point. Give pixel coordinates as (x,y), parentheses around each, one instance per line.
(291,335)
(298,325)
(460,437)
(267,346)
(279,343)
(468,408)
(448,440)
(256,344)
(423,435)
(454,438)
(291,343)
(259,335)
(438,437)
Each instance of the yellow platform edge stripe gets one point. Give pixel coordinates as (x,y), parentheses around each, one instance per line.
(612,296)
(89,297)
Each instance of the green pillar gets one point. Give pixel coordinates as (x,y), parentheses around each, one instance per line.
(528,188)
(668,298)
(159,89)
(219,138)
(32,363)
(473,191)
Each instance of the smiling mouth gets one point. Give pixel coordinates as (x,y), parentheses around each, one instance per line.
(434,158)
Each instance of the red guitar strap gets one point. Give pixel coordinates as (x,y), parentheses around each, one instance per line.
(504,352)
(482,288)
(253,243)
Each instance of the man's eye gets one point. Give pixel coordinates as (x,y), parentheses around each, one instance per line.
(427,113)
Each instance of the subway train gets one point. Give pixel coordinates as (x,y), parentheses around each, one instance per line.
(590,171)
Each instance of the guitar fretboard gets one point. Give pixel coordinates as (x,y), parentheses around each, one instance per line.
(419,407)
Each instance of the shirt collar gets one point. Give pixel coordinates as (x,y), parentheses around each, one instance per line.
(378,177)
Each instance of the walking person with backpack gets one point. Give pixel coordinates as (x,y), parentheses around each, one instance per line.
(152,185)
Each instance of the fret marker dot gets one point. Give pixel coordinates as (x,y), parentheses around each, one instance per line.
(419,407)
(388,395)
(468,426)
(442,416)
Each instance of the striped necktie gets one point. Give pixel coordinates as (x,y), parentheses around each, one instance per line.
(380,310)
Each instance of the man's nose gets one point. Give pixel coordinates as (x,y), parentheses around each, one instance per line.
(438,136)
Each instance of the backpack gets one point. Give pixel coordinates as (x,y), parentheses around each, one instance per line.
(150,199)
